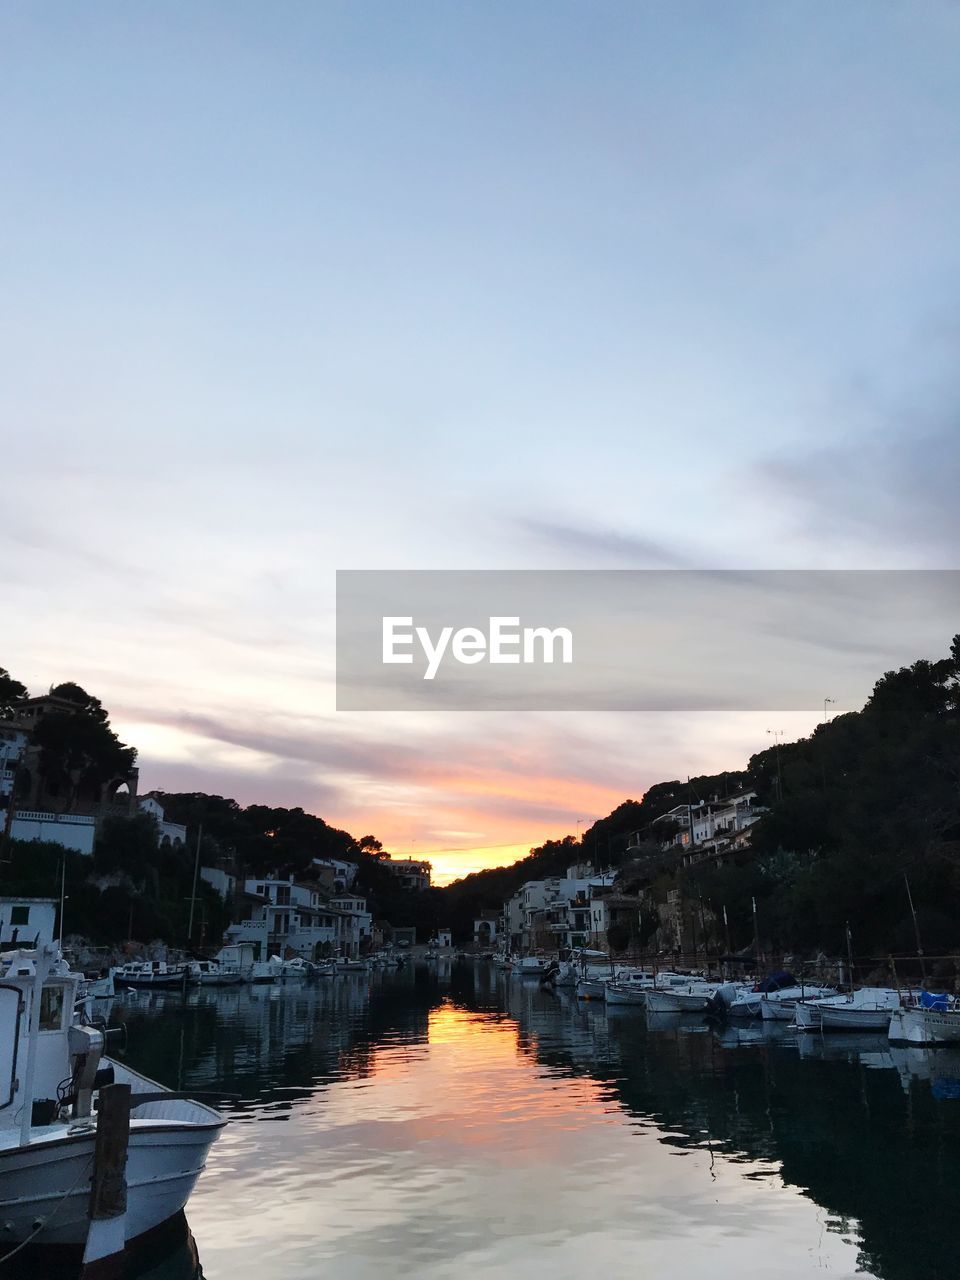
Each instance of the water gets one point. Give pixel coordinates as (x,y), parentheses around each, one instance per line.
(460,1123)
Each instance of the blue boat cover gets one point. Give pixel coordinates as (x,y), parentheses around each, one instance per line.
(776,981)
(933,1000)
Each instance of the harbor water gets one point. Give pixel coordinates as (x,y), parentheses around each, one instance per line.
(450,1121)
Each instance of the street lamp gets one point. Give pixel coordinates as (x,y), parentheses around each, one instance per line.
(825,701)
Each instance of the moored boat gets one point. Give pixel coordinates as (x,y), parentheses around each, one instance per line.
(867,1009)
(53,1069)
(932,1020)
(154,975)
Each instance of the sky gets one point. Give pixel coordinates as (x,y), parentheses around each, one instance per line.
(301,287)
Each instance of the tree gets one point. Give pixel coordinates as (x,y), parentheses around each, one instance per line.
(11,692)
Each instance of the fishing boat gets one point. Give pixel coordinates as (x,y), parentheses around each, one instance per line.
(779,1006)
(932,1019)
(625,993)
(241,956)
(155,975)
(53,1071)
(99,986)
(531,966)
(867,1009)
(213,974)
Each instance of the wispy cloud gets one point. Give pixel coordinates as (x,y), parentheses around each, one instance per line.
(601,545)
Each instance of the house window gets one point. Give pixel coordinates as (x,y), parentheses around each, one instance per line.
(19,915)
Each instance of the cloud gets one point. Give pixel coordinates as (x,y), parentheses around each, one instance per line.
(896,489)
(604,545)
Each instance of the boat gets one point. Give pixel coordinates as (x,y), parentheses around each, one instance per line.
(213,974)
(779,1006)
(867,1009)
(98,987)
(933,1019)
(240,955)
(625,993)
(686,997)
(53,1075)
(155,975)
(531,967)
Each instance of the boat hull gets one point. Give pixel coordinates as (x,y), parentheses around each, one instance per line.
(591,989)
(50,1179)
(850,1018)
(924,1026)
(663,1002)
(625,996)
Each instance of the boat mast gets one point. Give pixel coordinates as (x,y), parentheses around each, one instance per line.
(916,929)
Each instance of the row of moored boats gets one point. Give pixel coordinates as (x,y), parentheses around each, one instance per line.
(909,1017)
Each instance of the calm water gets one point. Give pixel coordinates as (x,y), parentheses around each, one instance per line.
(461,1123)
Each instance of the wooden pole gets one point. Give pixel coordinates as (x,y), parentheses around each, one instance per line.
(106,1239)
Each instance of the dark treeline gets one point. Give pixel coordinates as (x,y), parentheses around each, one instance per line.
(868,799)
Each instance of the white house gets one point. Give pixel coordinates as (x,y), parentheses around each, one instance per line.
(27,922)
(356,924)
(224,883)
(168,833)
(286,917)
(554,914)
(339,875)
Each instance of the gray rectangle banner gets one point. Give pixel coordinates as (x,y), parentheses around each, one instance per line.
(632,640)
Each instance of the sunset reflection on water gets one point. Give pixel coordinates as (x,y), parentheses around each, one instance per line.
(438,1140)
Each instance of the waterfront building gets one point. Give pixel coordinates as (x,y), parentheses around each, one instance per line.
(554,914)
(282,917)
(486,930)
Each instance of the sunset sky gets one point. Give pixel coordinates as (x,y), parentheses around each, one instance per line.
(316,286)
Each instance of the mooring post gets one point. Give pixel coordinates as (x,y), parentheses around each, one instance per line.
(106,1238)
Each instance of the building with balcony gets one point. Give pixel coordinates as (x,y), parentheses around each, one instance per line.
(412,873)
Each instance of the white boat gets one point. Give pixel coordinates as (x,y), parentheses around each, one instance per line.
(779,1006)
(156,975)
(562,974)
(661,1001)
(213,974)
(240,956)
(52,1069)
(932,1020)
(531,966)
(99,988)
(625,993)
(867,1009)
(746,1004)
